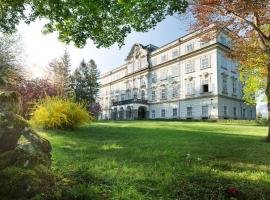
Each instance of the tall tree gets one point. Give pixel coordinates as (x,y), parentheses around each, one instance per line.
(59,70)
(85,82)
(104,21)
(10,60)
(243,19)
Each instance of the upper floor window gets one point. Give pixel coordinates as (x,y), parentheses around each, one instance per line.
(223,40)
(143,95)
(163,58)
(189,47)
(234,83)
(122,97)
(163,74)
(153,95)
(163,93)
(225,84)
(154,77)
(163,113)
(204,43)
(175,92)
(175,71)
(189,66)
(174,53)
(205,62)
(189,89)
(205,86)
(154,61)
(135,95)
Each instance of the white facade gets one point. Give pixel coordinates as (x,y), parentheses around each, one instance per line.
(185,79)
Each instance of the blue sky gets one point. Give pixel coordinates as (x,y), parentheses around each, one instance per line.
(40,49)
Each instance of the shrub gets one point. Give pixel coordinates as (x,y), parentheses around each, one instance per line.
(55,113)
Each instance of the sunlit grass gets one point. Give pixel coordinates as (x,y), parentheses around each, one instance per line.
(162,160)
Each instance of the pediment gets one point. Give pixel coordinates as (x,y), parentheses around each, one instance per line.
(136,51)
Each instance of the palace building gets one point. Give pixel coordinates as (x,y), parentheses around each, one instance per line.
(188,78)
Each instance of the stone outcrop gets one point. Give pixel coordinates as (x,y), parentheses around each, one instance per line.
(24,155)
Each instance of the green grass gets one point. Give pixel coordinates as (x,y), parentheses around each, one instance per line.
(162,160)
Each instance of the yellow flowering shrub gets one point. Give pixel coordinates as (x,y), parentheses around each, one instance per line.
(57,113)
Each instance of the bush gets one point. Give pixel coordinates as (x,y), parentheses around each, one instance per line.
(57,113)
(262,121)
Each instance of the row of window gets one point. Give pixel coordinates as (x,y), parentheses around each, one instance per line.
(163,113)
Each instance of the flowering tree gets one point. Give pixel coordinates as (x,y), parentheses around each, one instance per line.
(244,19)
(31,91)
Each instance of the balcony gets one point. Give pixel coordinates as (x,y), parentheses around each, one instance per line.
(129,101)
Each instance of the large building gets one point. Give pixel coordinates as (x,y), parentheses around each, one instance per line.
(189,78)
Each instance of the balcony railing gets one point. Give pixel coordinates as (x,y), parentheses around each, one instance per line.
(129,101)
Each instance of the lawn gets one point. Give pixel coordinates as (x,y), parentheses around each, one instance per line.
(162,160)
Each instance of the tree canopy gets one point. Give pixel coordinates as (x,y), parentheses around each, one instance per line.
(105,22)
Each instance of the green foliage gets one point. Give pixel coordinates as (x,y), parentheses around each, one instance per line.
(105,22)
(85,82)
(162,160)
(54,113)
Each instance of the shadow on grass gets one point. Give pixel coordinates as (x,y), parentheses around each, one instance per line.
(131,162)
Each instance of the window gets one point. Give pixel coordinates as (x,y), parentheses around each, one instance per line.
(205,62)
(163,74)
(135,95)
(174,112)
(223,40)
(128,95)
(163,93)
(154,61)
(163,113)
(225,111)
(234,86)
(205,86)
(122,97)
(174,53)
(205,111)
(189,112)
(175,91)
(189,89)
(153,95)
(224,85)
(235,112)
(204,43)
(175,71)
(189,47)
(244,113)
(163,58)
(154,78)
(143,95)
(153,114)
(189,67)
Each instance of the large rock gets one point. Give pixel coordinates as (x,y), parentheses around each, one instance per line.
(25,166)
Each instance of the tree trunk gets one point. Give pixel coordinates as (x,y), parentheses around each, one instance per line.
(268,95)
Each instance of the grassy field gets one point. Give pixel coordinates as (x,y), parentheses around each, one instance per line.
(162,160)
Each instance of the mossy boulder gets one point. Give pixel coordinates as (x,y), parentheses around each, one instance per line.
(24,168)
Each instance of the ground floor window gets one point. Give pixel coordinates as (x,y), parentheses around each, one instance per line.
(204,111)
(225,111)
(163,113)
(189,112)
(153,114)
(234,112)
(175,112)
(244,113)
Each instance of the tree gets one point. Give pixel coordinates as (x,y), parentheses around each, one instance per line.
(85,82)
(10,58)
(32,91)
(244,19)
(59,73)
(105,22)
